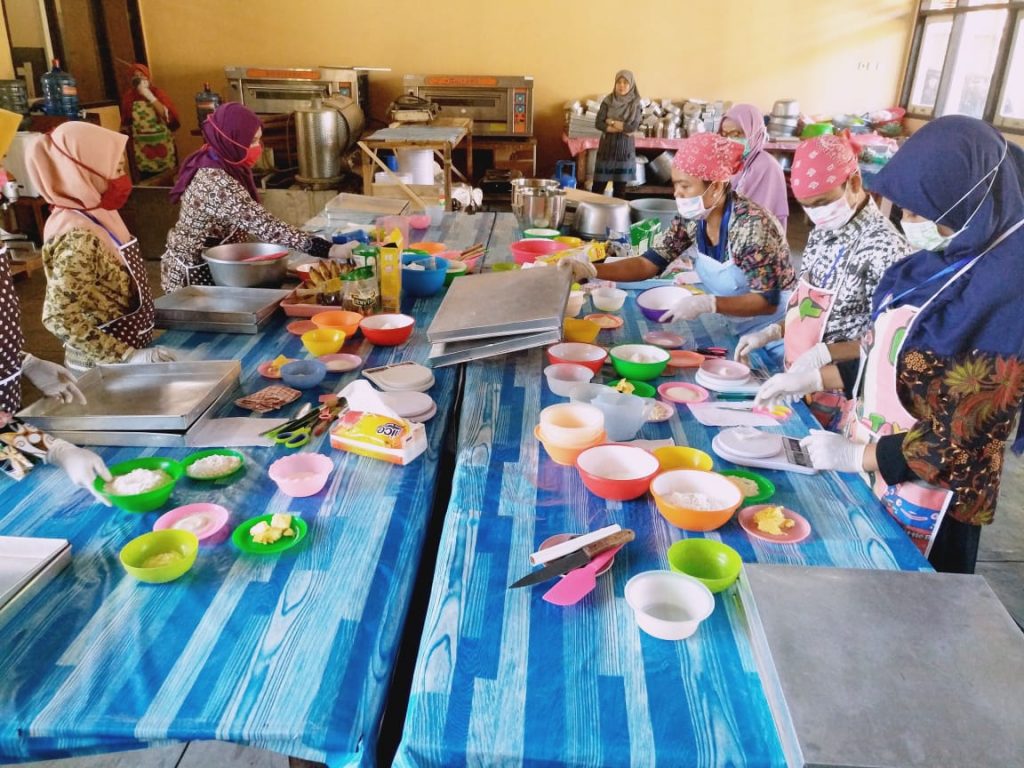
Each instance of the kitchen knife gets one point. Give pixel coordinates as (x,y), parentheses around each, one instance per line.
(577,559)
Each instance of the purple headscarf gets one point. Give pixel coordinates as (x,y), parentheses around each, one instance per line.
(761,179)
(228,132)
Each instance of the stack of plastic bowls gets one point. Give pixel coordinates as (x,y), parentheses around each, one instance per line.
(568,429)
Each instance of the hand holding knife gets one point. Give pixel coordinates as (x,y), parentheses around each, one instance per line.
(575,560)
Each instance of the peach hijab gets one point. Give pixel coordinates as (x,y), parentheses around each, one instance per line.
(71,166)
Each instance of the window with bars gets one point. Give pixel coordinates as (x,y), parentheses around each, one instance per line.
(967,58)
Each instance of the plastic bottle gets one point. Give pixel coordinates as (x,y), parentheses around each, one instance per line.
(60,92)
(206,102)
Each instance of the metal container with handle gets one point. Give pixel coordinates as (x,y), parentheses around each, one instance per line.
(542,207)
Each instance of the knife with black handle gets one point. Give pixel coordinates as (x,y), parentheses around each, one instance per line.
(576,559)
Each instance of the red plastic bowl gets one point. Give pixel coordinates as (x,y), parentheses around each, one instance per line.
(589,355)
(617,472)
(373,330)
(527,251)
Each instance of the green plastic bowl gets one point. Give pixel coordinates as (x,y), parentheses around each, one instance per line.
(183,545)
(640,388)
(817,129)
(765,487)
(243,541)
(713,563)
(193,458)
(455,270)
(150,500)
(504,266)
(638,371)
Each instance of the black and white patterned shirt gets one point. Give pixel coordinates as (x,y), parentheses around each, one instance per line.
(861,251)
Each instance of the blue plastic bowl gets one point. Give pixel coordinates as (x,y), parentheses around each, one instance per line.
(426,282)
(303,374)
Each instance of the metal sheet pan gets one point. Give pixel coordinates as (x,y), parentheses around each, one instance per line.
(153,397)
(216,304)
(211,327)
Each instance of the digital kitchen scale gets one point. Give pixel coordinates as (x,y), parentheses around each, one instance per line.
(750,447)
(748,386)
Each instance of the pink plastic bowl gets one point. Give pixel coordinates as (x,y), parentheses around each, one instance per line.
(527,251)
(301,474)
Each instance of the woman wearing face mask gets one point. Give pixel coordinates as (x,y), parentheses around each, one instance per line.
(850,247)
(98,301)
(761,178)
(219,203)
(943,374)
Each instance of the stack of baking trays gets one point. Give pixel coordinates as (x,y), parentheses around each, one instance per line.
(217,308)
(157,404)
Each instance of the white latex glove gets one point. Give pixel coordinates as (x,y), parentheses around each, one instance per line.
(145,91)
(152,355)
(343,251)
(81,466)
(828,450)
(814,358)
(786,387)
(52,380)
(578,266)
(756,340)
(689,308)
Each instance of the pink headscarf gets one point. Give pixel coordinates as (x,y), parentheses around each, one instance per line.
(71,166)
(709,157)
(761,178)
(822,164)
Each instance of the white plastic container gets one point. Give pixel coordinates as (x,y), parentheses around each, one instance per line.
(574,303)
(608,299)
(668,605)
(564,377)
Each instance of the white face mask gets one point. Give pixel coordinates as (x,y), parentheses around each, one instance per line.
(925,235)
(832,215)
(693,207)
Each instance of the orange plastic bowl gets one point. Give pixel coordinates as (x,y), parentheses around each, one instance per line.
(566,455)
(339,319)
(427,247)
(712,484)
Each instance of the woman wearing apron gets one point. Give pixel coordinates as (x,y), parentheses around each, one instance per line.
(219,203)
(942,374)
(97,301)
(850,247)
(736,246)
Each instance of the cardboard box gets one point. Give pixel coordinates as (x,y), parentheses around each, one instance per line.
(413,442)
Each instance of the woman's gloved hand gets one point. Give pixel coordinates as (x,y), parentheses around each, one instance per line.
(320,248)
(814,358)
(689,308)
(828,450)
(80,465)
(784,388)
(152,355)
(578,266)
(52,380)
(756,340)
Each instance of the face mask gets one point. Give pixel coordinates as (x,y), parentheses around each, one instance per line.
(831,216)
(743,143)
(693,207)
(252,155)
(925,235)
(117,192)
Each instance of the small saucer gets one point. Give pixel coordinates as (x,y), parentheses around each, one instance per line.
(299,327)
(664,340)
(605,321)
(340,362)
(684,358)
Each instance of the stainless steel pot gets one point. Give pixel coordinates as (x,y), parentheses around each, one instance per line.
(660,168)
(228,267)
(518,185)
(539,206)
(653,208)
(598,219)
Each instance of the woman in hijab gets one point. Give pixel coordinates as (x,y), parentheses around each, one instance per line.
(943,375)
(761,178)
(617,118)
(219,203)
(98,301)
(148,115)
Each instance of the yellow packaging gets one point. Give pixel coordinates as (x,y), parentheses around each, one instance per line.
(389,264)
(380,437)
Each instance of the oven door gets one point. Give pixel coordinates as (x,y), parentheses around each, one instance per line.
(282,96)
(488,107)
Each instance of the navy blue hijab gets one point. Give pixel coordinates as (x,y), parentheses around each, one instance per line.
(983,309)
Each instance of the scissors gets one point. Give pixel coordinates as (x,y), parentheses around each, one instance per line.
(295,433)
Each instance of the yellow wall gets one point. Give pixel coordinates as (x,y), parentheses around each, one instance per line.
(831,55)
(26,23)
(6,63)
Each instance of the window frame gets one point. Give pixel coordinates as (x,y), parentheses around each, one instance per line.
(997,85)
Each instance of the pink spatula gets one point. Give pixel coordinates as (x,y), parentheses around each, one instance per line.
(264,257)
(577,584)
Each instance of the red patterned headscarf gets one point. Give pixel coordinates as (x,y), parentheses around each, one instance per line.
(821,164)
(709,157)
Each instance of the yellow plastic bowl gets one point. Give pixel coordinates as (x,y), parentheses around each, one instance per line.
(181,546)
(682,457)
(572,242)
(323,341)
(581,331)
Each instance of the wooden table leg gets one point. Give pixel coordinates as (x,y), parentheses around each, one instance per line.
(448,176)
(368,168)
(469,158)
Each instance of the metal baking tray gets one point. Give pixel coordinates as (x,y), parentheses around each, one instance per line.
(151,397)
(216,304)
(210,327)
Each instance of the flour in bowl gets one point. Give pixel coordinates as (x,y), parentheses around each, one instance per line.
(698,501)
(137,481)
(214,465)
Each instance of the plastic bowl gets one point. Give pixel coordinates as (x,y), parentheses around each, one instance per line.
(191,459)
(303,374)
(301,474)
(574,303)
(580,331)
(765,487)
(455,269)
(150,500)
(504,266)
(641,371)
(714,564)
(726,370)
(541,233)
(608,299)
(426,282)
(528,251)
(338,319)
(183,546)
(682,457)
(712,484)
(655,301)
(420,221)
(388,330)
(571,424)
(566,455)
(428,247)
(569,241)
(208,522)
(668,605)
(589,355)
(617,472)
(323,341)
(640,388)
(563,377)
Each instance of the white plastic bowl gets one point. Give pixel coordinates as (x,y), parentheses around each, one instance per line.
(608,299)
(564,377)
(574,303)
(668,605)
(569,424)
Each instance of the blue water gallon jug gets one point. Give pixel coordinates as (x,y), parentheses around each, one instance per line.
(565,173)
(207,102)
(60,92)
